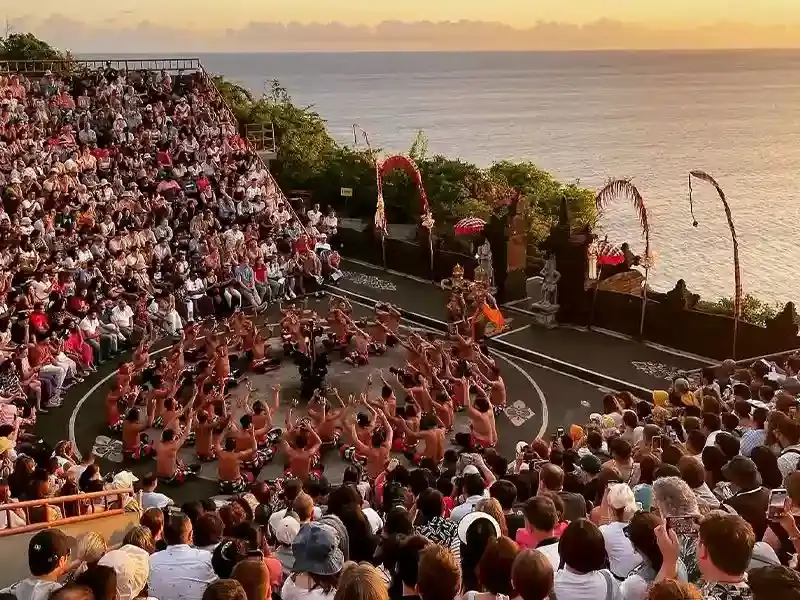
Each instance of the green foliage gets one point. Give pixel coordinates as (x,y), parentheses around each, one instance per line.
(753,310)
(310,159)
(26,46)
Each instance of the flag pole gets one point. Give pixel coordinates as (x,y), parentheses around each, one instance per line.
(380,213)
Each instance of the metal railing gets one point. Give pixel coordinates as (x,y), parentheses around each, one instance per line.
(746,362)
(171,65)
(83,501)
(260,136)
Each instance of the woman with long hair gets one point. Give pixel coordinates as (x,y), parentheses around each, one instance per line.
(494,571)
(475,531)
(641,533)
(585,572)
(253,574)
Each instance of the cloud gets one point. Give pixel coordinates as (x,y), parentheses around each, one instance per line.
(148,37)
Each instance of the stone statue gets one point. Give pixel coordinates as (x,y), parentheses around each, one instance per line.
(485,261)
(594,253)
(550,278)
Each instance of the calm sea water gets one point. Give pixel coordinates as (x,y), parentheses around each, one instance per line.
(649,116)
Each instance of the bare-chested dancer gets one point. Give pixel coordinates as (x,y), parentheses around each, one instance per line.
(301,446)
(432,435)
(326,420)
(483,432)
(168,467)
(135,445)
(232,459)
(262,417)
(495,383)
(376,453)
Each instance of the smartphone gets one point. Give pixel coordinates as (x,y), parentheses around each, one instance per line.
(559,432)
(683,525)
(655,443)
(777,503)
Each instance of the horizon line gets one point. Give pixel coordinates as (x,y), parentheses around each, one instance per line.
(196,54)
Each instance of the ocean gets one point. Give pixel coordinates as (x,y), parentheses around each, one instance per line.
(588,117)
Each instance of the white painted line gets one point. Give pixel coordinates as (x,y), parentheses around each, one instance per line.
(601,388)
(500,335)
(535,386)
(515,302)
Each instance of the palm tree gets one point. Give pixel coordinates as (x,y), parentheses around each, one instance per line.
(623,188)
(737,276)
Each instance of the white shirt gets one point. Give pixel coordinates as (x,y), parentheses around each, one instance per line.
(122,317)
(551,552)
(180,573)
(314,216)
(90,326)
(155,500)
(584,586)
(621,555)
(290,591)
(462,510)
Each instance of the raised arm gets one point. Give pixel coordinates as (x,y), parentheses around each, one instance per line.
(276,397)
(387,443)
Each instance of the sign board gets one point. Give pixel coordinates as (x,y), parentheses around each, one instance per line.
(347,192)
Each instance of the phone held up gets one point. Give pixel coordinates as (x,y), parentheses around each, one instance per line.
(777,503)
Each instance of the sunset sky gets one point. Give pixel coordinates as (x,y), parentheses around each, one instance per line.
(93,23)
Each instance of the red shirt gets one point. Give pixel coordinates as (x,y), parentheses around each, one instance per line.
(39,321)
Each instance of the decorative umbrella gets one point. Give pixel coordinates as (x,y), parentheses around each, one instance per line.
(469,226)
(609,255)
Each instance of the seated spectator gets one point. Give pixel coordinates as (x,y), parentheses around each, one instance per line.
(151,498)
(769,583)
(621,554)
(541,519)
(551,478)
(724,548)
(254,577)
(361,582)
(494,570)
(672,589)
(180,572)
(318,562)
(475,531)
(641,533)
(430,522)
(583,553)
(132,567)
(532,575)
(439,575)
(750,499)
(225,589)
(48,560)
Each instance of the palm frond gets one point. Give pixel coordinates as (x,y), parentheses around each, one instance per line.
(623,188)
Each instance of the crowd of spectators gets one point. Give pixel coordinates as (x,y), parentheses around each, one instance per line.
(691,495)
(130,206)
(116,190)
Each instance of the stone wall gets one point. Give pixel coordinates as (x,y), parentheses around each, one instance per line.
(695,331)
